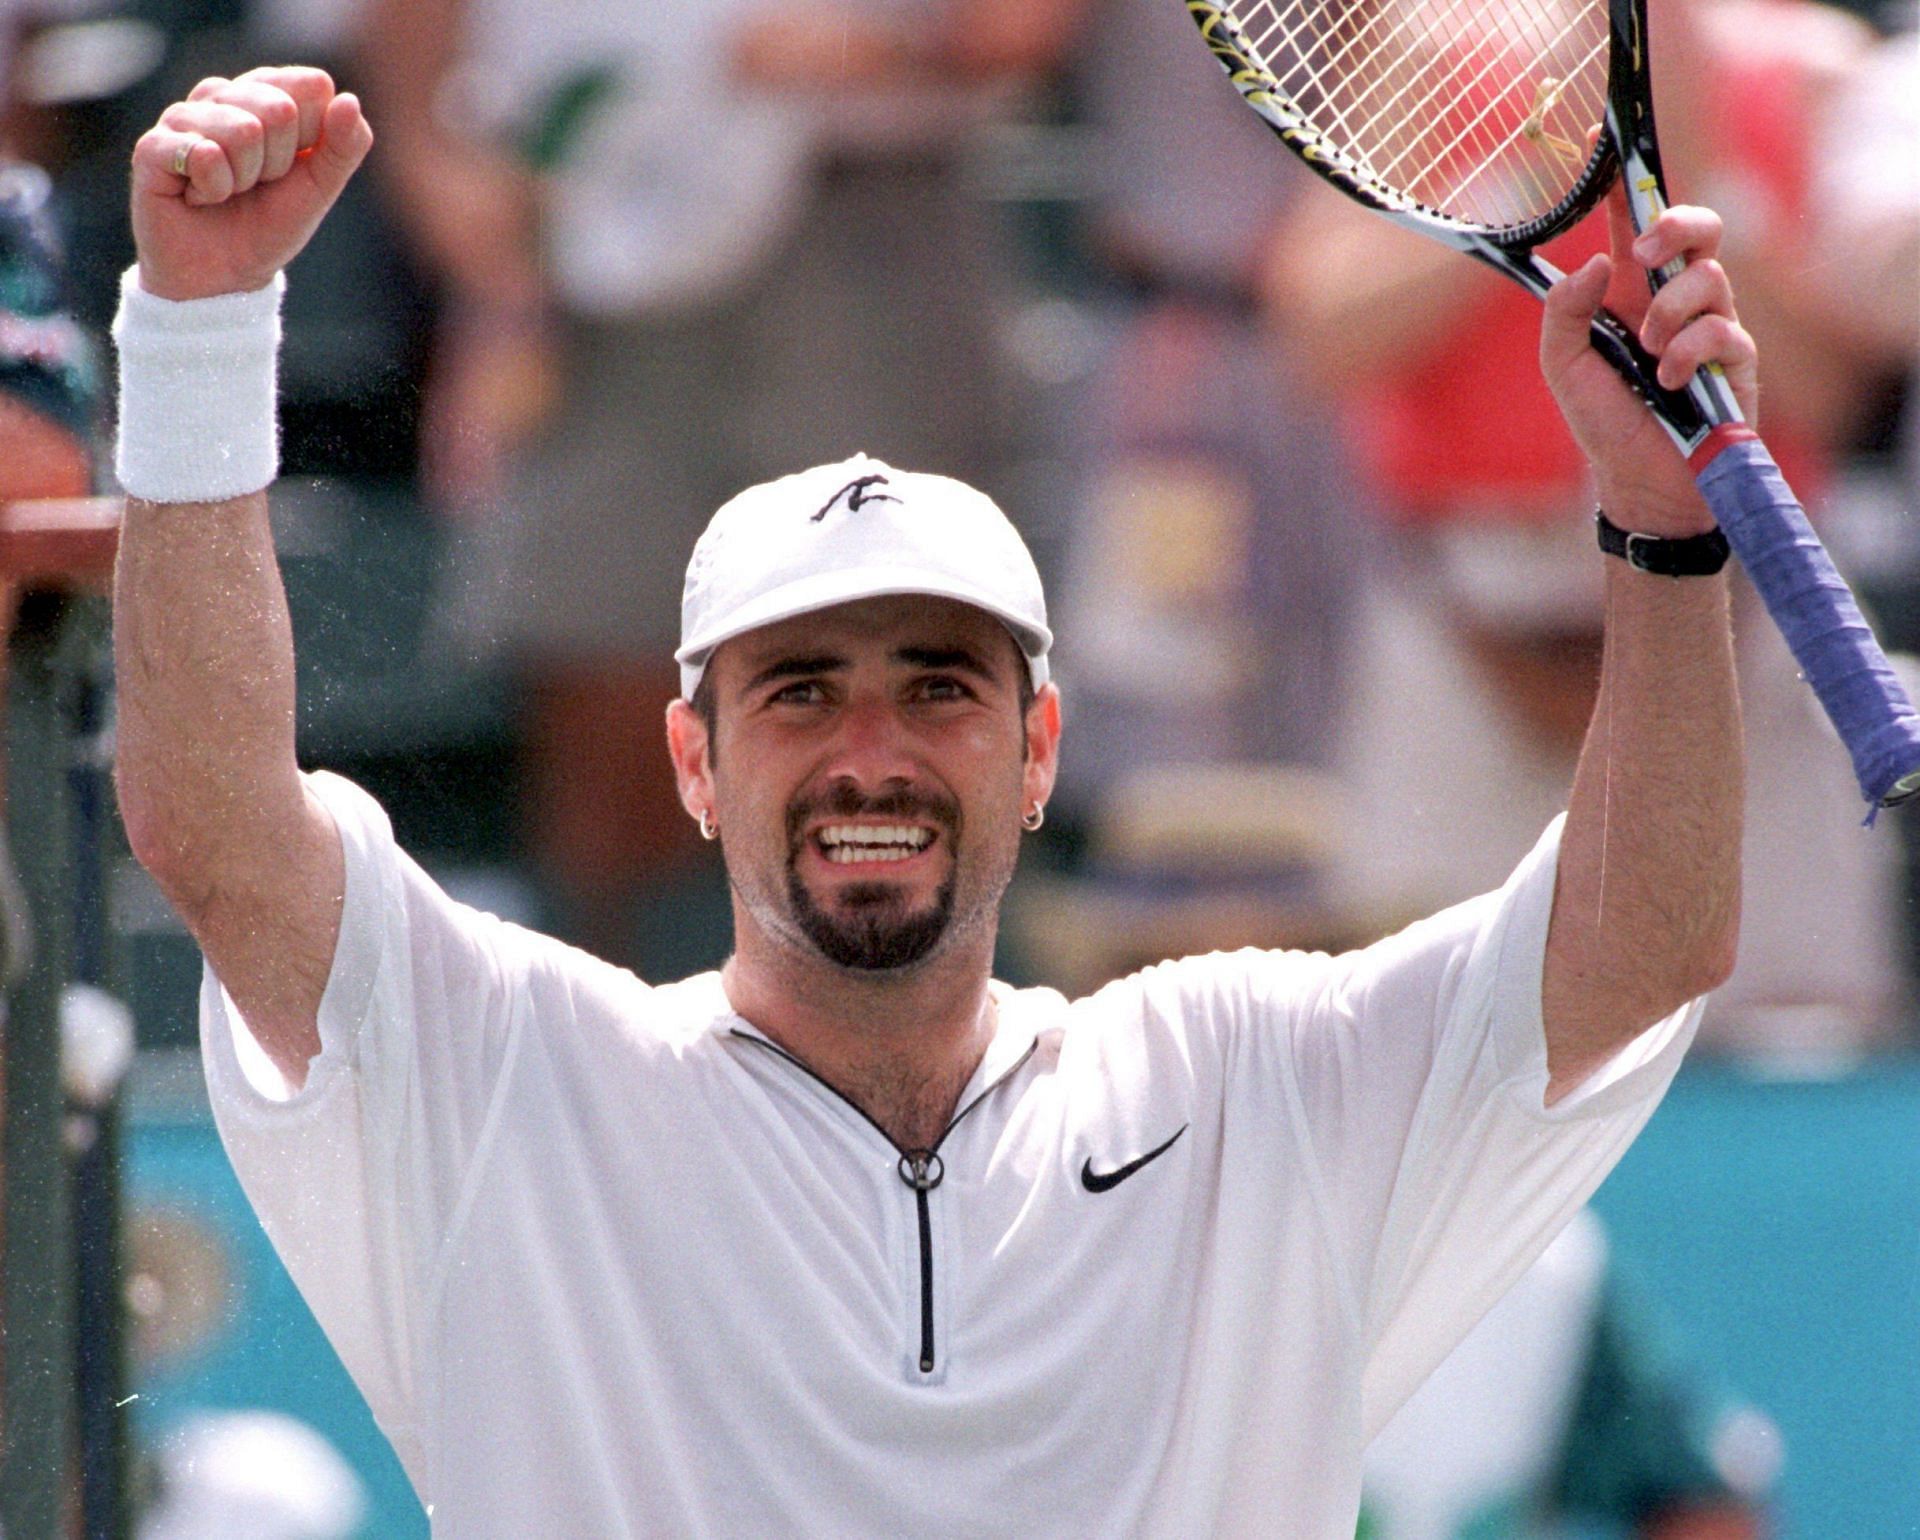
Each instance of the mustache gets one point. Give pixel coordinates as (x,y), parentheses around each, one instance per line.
(845,800)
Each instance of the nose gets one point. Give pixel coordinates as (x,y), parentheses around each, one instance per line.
(872,746)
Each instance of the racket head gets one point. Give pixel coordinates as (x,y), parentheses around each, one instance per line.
(1469,118)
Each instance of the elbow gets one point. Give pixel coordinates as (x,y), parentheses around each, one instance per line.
(1681,973)
(1707,964)
(161,842)
(1718,965)
(140,821)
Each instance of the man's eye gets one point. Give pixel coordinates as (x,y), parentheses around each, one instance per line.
(802,692)
(944,687)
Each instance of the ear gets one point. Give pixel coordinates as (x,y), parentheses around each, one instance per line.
(1043,746)
(692,767)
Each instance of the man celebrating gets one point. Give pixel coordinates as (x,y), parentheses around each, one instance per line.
(848,1239)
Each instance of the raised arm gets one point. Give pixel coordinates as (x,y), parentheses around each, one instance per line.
(1646,906)
(227,188)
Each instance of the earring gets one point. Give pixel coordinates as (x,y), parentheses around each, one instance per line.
(709,826)
(1033,818)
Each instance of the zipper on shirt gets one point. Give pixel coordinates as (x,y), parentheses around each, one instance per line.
(921,1170)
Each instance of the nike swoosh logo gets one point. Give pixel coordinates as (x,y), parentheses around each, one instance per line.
(1104,1181)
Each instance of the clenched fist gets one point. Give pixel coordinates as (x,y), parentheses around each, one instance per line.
(231,182)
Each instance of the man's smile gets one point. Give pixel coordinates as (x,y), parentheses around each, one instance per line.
(848,843)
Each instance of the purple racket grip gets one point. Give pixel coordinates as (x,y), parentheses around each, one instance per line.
(1815,611)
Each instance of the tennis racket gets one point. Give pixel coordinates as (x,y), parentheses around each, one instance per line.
(1469,121)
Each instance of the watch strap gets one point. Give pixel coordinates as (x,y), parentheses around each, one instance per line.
(1694,556)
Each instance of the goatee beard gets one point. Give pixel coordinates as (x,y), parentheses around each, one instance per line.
(875,935)
(873,931)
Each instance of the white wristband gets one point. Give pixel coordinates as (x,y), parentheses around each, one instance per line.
(197,421)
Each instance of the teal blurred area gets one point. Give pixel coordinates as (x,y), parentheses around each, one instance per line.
(1775,1220)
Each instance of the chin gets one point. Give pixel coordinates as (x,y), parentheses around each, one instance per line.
(870,927)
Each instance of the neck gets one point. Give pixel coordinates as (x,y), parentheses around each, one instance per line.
(899,1046)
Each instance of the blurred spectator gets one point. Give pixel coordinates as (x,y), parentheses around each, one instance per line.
(681,248)
(1211,557)
(1480,645)
(1567,1411)
(1866,159)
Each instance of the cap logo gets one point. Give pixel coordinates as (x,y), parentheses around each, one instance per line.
(856,494)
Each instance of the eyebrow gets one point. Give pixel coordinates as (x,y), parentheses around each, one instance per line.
(797,668)
(961,658)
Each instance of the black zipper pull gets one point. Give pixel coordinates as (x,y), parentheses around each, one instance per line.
(922,1170)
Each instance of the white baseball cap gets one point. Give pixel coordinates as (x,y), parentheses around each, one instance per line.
(855,530)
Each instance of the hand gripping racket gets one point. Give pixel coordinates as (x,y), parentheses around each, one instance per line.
(1469,121)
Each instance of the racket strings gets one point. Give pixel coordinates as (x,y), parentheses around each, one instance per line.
(1430,171)
(1484,146)
(1453,121)
(1479,109)
(1471,142)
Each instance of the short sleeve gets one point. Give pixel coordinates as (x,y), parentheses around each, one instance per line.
(1413,1074)
(358,1177)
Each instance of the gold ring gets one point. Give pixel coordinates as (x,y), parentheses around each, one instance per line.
(182,155)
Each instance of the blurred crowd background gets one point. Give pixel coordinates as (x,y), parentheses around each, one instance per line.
(1321,564)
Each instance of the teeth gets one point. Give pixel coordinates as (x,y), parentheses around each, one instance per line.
(875,834)
(846,843)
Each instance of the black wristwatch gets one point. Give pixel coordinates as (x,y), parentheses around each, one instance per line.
(1695,556)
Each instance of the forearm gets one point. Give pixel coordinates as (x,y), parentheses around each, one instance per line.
(203,653)
(1646,904)
(209,788)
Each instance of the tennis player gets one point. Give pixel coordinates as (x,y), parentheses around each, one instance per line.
(847,1238)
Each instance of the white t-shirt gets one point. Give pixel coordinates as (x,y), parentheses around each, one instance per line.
(605,1262)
